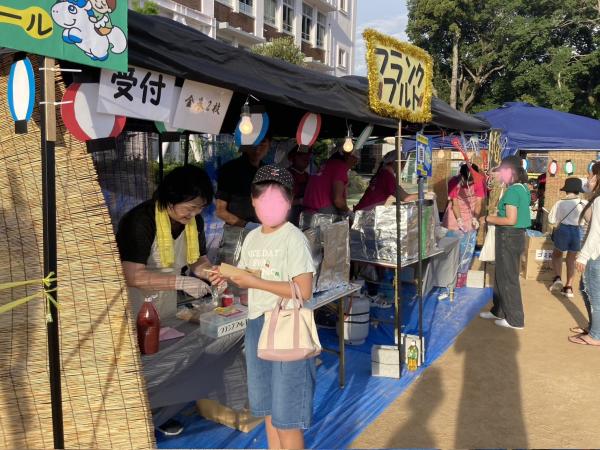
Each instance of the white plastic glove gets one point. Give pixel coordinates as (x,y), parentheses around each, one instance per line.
(475,223)
(430,196)
(192,286)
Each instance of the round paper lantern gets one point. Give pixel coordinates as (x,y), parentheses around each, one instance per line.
(569,167)
(553,167)
(21,93)
(591,165)
(308,129)
(366,134)
(260,125)
(525,164)
(81,117)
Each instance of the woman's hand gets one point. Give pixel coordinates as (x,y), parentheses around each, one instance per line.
(580,267)
(246,281)
(215,277)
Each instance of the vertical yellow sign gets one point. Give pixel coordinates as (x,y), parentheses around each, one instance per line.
(400,76)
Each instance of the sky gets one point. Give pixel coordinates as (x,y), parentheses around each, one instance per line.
(386,16)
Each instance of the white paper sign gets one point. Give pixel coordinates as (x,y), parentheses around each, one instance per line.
(139,93)
(201,107)
(543,255)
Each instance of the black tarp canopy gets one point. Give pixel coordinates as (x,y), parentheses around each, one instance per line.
(287,91)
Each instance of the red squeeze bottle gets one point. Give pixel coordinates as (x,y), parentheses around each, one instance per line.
(148,328)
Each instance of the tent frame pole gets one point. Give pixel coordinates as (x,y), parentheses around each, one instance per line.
(398,302)
(48,140)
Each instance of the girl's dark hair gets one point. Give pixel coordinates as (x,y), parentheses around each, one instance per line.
(260,188)
(183,184)
(595,192)
(465,172)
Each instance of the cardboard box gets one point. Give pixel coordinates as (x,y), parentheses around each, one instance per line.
(238,420)
(536,262)
(476,279)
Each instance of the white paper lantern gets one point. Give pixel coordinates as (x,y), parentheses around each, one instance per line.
(21,93)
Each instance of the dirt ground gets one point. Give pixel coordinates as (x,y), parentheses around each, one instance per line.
(503,388)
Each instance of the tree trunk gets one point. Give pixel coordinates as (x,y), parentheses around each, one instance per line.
(454,81)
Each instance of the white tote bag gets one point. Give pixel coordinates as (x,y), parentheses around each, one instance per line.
(488,251)
(289,334)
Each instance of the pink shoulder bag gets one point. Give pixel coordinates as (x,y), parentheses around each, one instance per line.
(289,334)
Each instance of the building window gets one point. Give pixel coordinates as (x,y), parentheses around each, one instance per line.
(270,11)
(288,16)
(307,21)
(246,7)
(343,5)
(321,27)
(342,58)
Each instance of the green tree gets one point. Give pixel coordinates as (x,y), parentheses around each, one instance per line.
(149,7)
(281,48)
(546,52)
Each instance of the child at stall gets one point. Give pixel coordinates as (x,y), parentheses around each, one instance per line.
(281,392)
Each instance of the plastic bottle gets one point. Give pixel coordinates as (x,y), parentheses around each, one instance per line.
(413,357)
(148,328)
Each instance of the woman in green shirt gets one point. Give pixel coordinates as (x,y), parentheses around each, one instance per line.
(512,220)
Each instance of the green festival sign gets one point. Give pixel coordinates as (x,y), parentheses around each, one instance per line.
(90,32)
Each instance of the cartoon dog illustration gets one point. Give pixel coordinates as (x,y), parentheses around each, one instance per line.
(75,16)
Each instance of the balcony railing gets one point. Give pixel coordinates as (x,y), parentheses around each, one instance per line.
(246,9)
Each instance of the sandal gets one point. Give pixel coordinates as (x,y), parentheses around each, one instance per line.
(579,339)
(579,330)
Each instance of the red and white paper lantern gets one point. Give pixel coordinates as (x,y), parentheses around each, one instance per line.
(308,129)
(79,112)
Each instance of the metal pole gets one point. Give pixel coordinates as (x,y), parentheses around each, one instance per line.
(160,159)
(186,150)
(421,179)
(398,302)
(48,139)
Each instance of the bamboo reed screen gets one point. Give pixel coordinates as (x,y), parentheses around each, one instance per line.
(104,398)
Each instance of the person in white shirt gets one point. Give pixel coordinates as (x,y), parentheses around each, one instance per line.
(588,262)
(567,234)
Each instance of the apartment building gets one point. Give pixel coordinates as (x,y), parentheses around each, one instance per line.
(324,29)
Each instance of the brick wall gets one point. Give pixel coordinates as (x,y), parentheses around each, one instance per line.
(193,4)
(581,159)
(312,52)
(271,33)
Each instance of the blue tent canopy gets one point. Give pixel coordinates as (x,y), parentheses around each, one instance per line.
(528,127)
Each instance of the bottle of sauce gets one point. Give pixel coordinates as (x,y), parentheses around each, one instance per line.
(148,328)
(413,357)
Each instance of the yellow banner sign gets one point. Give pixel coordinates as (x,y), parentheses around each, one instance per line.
(399,78)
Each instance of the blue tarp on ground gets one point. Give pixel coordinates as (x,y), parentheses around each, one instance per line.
(340,415)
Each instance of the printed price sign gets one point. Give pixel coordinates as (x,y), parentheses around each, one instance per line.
(399,78)
(82,31)
(424,156)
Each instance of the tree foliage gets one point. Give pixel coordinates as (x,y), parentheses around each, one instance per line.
(149,7)
(281,48)
(546,52)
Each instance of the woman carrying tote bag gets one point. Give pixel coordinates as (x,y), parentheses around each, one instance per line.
(279,390)
(512,220)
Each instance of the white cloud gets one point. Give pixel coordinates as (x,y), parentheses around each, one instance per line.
(394,26)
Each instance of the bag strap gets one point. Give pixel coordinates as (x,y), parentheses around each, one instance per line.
(565,218)
(281,304)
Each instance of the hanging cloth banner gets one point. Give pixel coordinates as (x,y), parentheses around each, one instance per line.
(138,93)
(93,33)
(400,77)
(424,159)
(201,107)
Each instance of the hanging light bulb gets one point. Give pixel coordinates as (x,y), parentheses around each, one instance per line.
(441,154)
(348,144)
(246,126)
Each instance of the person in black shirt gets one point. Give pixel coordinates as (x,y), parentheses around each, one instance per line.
(153,261)
(234,204)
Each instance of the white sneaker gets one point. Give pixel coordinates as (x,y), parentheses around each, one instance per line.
(557,285)
(567,292)
(378,302)
(505,324)
(488,316)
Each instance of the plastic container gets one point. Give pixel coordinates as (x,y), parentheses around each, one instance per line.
(148,328)
(357,320)
(215,325)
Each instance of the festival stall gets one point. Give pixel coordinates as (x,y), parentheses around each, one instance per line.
(188,84)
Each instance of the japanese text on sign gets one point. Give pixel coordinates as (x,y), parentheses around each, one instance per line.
(139,93)
(201,107)
(399,78)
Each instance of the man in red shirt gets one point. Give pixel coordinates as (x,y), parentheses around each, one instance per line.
(383,185)
(327,191)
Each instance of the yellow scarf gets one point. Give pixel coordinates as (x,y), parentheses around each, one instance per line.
(164,239)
